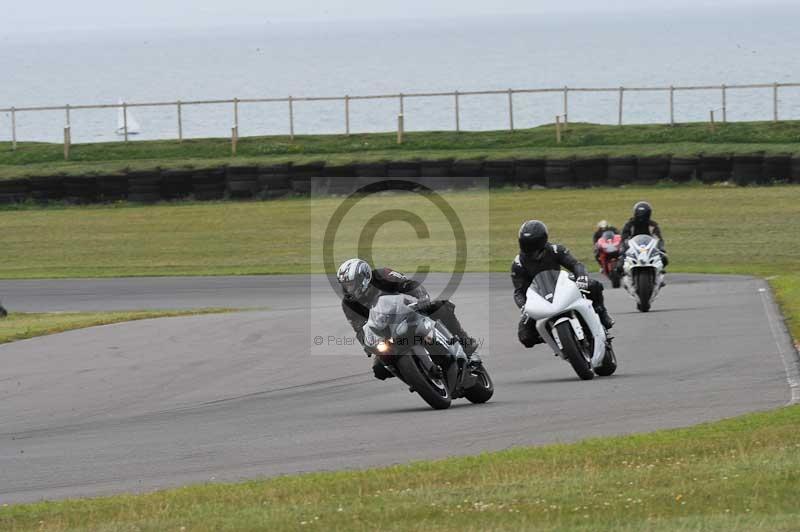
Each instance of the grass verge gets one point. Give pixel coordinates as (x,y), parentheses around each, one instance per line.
(20,326)
(580,140)
(738,474)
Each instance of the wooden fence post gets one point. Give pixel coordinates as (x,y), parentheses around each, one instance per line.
(67,141)
(234,139)
(291,118)
(621,93)
(400,128)
(566,105)
(402,104)
(125,120)
(180,123)
(458,117)
(712,121)
(347,115)
(13,129)
(511,109)
(558,129)
(724,104)
(236,113)
(66,112)
(775,102)
(671,105)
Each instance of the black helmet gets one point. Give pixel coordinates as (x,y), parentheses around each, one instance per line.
(532,236)
(642,211)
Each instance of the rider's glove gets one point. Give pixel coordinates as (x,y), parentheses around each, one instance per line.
(583,282)
(425,305)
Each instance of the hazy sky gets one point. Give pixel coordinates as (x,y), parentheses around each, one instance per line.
(45,15)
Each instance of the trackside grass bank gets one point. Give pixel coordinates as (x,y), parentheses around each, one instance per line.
(738,474)
(579,140)
(20,326)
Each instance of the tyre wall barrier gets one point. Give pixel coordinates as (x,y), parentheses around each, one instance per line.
(278,180)
(621,171)
(715,169)
(746,169)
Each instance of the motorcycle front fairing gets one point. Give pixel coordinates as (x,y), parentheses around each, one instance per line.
(643,253)
(554,298)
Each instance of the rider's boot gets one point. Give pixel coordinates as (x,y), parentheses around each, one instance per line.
(605,318)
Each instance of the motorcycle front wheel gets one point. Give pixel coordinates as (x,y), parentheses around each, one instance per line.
(482,390)
(434,391)
(573,351)
(644,281)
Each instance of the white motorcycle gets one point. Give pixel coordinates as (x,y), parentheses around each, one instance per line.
(642,270)
(568,323)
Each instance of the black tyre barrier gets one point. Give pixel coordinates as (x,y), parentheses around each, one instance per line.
(715,169)
(467,168)
(242,181)
(558,173)
(682,169)
(402,169)
(80,189)
(795,169)
(435,168)
(208,184)
(14,190)
(500,173)
(44,189)
(621,171)
(144,187)
(371,170)
(112,187)
(176,184)
(747,169)
(300,185)
(529,173)
(651,170)
(339,180)
(313,169)
(777,168)
(590,172)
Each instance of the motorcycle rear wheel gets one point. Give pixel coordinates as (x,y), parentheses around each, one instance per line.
(573,351)
(436,394)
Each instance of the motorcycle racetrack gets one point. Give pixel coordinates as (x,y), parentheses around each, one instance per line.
(158,403)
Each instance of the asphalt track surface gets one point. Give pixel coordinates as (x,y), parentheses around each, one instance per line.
(159,403)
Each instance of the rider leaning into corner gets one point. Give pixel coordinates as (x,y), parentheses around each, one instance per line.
(362,286)
(536,255)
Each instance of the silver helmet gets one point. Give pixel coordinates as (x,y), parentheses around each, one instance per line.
(354,276)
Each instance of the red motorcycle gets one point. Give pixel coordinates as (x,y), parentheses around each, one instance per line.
(608,248)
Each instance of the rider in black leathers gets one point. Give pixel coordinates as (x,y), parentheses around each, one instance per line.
(642,224)
(536,254)
(361,287)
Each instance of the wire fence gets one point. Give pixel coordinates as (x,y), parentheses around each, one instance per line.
(612,96)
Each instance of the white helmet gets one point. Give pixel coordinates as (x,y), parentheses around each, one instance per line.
(602,225)
(354,276)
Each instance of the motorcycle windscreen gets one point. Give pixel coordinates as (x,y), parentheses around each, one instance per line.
(545,283)
(388,313)
(642,240)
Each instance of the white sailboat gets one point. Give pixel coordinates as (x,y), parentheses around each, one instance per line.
(133,125)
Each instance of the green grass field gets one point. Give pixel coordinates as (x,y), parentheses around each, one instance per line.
(735,475)
(580,140)
(708,229)
(20,326)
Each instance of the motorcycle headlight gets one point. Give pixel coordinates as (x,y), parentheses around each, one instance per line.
(384,346)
